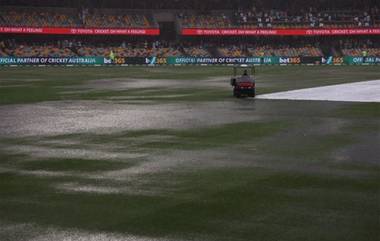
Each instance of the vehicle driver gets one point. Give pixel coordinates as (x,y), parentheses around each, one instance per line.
(246,78)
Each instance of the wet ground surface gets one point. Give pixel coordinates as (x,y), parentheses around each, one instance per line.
(90,151)
(132,83)
(54,118)
(30,232)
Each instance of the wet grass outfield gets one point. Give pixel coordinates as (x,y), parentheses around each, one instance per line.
(168,154)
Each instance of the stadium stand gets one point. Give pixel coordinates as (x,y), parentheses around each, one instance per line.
(57,46)
(38,17)
(215,20)
(251,18)
(114,18)
(282,19)
(206,15)
(42,51)
(231,51)
(370,52)
(197,51)
(68,48)
(285,51)
(241,18)
(351,47)
(306,19)
(69,17)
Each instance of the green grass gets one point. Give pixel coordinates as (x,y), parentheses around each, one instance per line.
(222,204)
(47,84)
(77,165)
(361,110)
(300,171)
(157,94)
(225,135)
(310,149)
(162,139)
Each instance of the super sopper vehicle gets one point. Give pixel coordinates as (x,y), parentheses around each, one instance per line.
(244,85)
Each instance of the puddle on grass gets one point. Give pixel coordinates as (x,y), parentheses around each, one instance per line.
(57,118)
(34,232)
(88,153)
(131,83)
(75,187)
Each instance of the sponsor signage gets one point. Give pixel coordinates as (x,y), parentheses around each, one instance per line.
(222,60)
(51,61)
(281,32)
(80,31)
(156,60)
(289,60)
(135,60)
(311,60)
(361,60)
(329,60)
(192,31)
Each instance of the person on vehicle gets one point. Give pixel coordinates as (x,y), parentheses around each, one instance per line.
(246,77)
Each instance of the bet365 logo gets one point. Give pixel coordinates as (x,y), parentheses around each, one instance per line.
(155,60)
(151,60)
(330,60)
(107,61)
(119,60)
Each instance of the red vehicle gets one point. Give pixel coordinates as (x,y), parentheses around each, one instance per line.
(244,85)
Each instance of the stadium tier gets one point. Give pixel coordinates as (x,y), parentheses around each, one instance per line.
(112,18)
(227,19)
(198,51)
(359,52)
(245,48)
(254,18)
(38,17)
(204,30)
(69,17)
